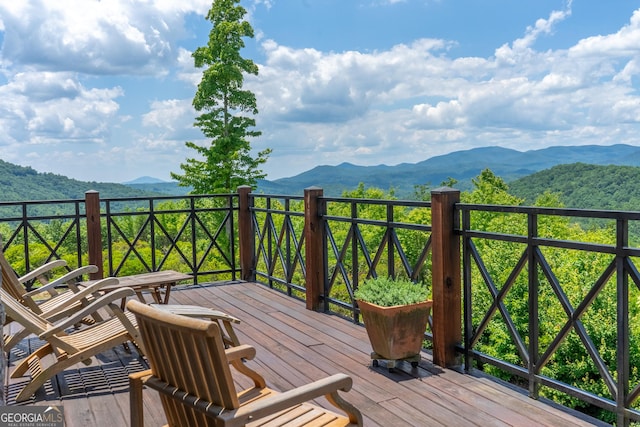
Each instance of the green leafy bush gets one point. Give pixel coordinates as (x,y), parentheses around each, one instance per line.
(387,292)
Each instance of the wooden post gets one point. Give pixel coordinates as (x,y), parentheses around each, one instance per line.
(447,295)
(314,247)
(246,235)
(94,232)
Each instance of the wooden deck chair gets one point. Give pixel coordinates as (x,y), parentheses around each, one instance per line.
(190,368)
(45,298)
(46,301)
(67,349)
(67,308)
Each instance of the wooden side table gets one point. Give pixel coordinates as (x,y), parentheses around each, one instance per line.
(230,338)
(157,283)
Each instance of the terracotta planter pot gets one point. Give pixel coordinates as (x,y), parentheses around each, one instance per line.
(396,332)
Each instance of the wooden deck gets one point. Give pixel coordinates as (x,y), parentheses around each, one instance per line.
(296,346)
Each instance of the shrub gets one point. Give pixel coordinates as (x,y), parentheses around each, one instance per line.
(387,292)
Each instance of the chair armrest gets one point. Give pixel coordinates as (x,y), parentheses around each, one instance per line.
(219,315)
(236,356)
(257,409)
(81,296)
(273,404)
(64,279)
(137,376)
(103,301)
(42,269)
(240,352)
(195,311)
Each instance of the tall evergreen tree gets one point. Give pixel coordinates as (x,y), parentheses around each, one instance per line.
(226,162)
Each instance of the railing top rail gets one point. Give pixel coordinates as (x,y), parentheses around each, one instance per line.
(41,217)
(41,202)
(378,222)
(115,199)
(408,203)
(275,196)
(569,212)
(176,197)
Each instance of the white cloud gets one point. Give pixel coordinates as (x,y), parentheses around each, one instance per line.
(402,104)
(96,37)
(46,107)
(413,101)
(625,42)
(186,70)
(168,114)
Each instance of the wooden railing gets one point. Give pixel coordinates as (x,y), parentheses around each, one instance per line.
(320,248)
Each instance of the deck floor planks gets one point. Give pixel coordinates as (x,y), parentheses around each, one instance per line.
(285,361)
(414,416)
(520,402)
(292,353)
(460,411)
(289,311)
(490,406)
(370,382)
(294,347)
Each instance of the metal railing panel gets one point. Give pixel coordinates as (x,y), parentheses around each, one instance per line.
(369,237)
(279,251)
(194,234)
(520,293)
(35,232)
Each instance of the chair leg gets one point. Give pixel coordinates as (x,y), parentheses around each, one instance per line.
(39,376)
(23,367)
(136,407)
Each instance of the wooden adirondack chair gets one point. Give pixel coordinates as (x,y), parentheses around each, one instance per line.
(190,369)
(70,348)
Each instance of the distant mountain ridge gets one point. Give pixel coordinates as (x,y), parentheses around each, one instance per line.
(464,165)
(18,183)
(145,180)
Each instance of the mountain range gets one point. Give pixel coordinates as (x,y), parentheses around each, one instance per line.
(23,183)
(462,166)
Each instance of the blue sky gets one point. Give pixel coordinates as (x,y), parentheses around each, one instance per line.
(102,90)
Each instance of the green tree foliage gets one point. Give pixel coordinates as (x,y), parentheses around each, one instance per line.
(227,162)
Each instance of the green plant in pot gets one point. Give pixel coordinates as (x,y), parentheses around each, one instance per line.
(395,314)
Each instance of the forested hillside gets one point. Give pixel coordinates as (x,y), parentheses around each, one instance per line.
(584,186)
(18,183)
